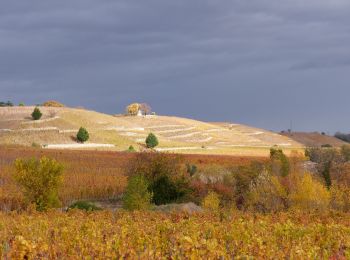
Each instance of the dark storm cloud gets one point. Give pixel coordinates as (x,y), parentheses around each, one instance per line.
(260,62)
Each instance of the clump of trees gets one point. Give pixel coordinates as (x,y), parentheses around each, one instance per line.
(36,115)
(343,137)
(39,181)
(83,135)
(6,104)
(164,176)
(257,187)
(134,108)
(151,141)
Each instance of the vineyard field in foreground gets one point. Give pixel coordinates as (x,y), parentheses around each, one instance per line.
(151,235)
(89,174)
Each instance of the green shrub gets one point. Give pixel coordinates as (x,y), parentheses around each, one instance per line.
(36,145)
(84,205)
(39,181)
(151,141)
(21,104)
(167,181)
(131,149)
(137,195)
(166,190)
(83,135)
(36,115)
(279,162)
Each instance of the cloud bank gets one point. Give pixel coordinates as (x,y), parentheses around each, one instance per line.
(259,62)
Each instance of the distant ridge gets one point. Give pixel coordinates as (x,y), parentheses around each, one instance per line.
(315,139)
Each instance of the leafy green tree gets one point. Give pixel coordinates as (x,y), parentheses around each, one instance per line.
(137,195)
(165,191)
(83,135)
(151,141)
(36,115)
(39,181)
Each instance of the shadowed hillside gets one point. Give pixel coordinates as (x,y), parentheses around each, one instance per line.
(314,139)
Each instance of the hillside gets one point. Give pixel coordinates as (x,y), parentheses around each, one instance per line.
(314,139)
(58,126)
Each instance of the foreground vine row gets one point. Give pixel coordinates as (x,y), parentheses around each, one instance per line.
(142,235)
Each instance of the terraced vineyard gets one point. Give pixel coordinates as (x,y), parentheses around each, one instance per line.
(58,127)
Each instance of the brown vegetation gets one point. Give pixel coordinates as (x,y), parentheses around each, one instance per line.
(88,174)
(314,139)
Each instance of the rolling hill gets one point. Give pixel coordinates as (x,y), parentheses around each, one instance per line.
(58,127)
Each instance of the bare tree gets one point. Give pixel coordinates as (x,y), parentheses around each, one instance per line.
(145,108)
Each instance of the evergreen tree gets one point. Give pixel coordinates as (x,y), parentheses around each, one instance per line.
(83,135)
(36,115)
(151,141)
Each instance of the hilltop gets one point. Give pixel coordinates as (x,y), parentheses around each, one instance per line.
(58,127)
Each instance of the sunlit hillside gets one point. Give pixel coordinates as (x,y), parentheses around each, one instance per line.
(58,127)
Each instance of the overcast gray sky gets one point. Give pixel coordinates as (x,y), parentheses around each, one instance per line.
(258,62)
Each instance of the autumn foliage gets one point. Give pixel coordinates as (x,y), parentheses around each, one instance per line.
(52,103)
(253,211)
(152,235)
(39,181)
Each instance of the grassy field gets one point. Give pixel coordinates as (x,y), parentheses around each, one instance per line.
(151,235)
(175,134)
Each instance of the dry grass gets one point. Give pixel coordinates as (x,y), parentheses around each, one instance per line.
(123,131)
